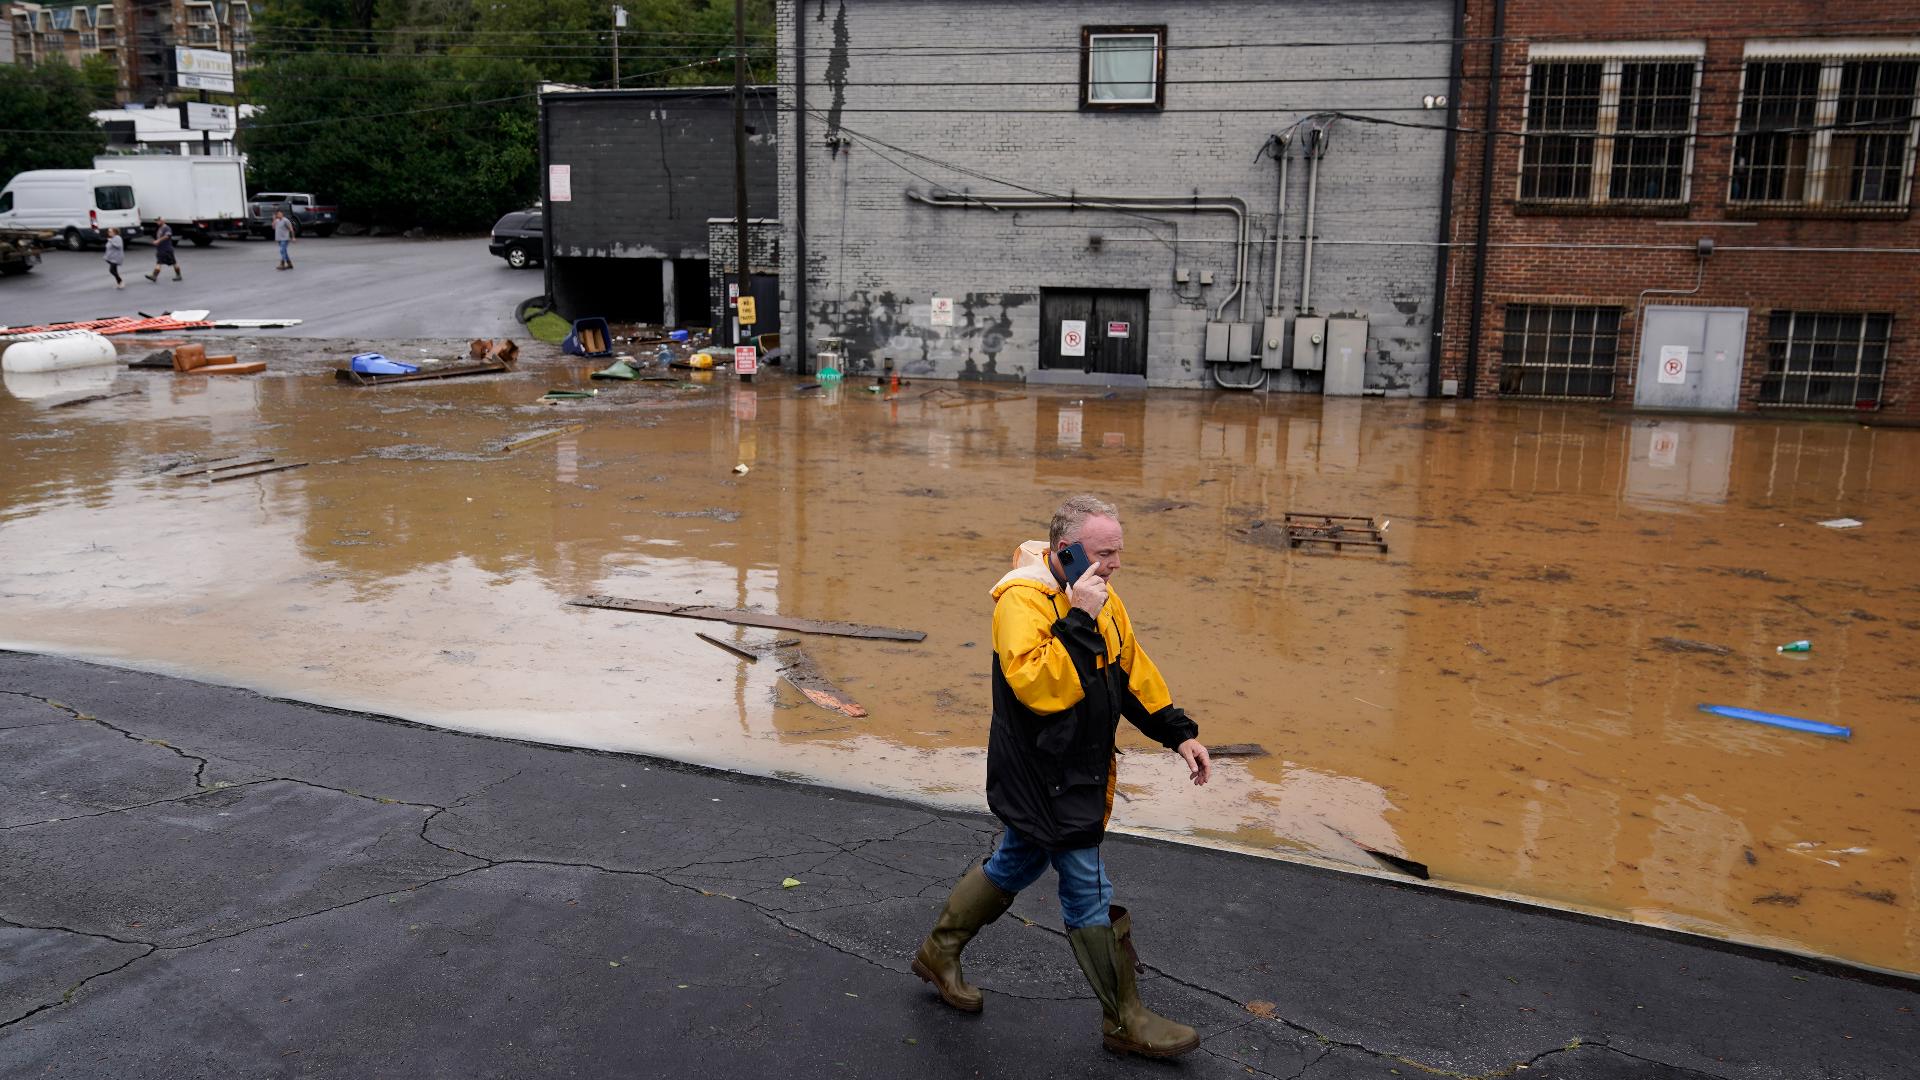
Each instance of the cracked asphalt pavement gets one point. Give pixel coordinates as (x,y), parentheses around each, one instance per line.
(200,881)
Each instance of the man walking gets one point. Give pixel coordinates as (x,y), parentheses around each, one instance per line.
(163,251)
(1066,667)
(283,235)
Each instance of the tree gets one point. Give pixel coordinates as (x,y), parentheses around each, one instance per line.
(102,77)
(438,141)
(44,121)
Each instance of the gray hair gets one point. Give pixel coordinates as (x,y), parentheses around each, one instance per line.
(1074,513)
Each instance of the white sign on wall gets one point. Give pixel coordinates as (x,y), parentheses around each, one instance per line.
(1073,337)
(943,311)
(559,183)
(203,69)
(1673,363)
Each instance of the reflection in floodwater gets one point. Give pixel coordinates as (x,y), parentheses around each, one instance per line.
(1508,696)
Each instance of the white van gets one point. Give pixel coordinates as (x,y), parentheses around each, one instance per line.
(79,204)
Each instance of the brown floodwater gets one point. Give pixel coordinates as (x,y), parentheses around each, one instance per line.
(1508,696)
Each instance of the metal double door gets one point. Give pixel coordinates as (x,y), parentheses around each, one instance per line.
(1691,358)
(1101,331)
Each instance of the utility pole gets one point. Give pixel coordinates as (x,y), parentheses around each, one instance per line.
(742,273)
(619,20)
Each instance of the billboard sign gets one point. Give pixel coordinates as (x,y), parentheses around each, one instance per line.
(203,69)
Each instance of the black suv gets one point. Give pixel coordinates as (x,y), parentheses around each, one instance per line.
(517,238)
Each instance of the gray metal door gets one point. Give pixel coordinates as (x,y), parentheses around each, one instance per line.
(1690,358)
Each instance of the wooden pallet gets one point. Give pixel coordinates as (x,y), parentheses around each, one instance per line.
(1338,530)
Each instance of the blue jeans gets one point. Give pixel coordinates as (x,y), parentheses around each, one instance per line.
(1085,892)
(283,251)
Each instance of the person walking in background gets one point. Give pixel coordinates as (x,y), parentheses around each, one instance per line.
(116,254)
(163,251)
(283,235)
(1066,668)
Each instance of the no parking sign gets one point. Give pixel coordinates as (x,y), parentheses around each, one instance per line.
(1073,337)
(1673,363)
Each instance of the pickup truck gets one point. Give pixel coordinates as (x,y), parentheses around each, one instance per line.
(310,217)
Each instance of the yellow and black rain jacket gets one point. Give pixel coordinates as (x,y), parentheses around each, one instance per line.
(1061,682)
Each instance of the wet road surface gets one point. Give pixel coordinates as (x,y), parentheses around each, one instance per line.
(1508,696)
(341,286)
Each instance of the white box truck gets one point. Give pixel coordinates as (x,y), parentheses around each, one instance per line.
(76,205)
(201,197)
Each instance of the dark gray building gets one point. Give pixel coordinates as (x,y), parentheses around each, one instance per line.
(631,179)
(1062,190)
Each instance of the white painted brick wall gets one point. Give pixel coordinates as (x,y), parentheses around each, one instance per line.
(875,259)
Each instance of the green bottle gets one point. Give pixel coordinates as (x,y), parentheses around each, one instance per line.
(1795,646)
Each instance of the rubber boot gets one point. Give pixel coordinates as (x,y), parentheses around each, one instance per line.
(1126,1026)
(974,902)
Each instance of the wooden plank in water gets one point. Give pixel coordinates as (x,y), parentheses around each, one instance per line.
(257,472)
(750,618)
(531,440)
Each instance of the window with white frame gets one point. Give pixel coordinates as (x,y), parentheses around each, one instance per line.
(1123,67)
(1827,125)
(1557,351)
(1825,359)
(1610,123)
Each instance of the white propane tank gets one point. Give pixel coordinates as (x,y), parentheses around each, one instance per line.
(56,352)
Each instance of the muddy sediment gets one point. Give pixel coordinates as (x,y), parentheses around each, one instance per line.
(1507,695)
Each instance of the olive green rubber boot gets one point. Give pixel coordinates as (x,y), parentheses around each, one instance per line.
(1106,956)
(974,902)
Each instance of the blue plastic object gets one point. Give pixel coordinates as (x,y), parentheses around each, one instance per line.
(372,363)
(605,337)
(1793,723)
(677,335)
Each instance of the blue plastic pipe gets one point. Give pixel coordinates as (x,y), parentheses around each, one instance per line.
(1792,722)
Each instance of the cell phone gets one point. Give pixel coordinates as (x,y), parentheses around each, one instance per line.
(1074,562)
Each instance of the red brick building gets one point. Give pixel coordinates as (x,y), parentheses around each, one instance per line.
(1692,205)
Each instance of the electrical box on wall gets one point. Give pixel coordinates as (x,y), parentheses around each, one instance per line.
(1309,343)
(1346,358)
(1273,343)
(1240,343)
(1216,343)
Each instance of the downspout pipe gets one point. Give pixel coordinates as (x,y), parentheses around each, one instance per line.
(803,362)
(1437,341)
(1316,147)
(1207,204)
(1489,126)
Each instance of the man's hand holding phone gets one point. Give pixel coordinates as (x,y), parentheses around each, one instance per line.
(1089,593)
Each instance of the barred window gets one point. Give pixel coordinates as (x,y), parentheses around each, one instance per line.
(1555,351)
(1825,359)
(1826,131)
(1608,130)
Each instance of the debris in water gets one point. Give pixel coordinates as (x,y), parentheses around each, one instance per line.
(1443,594)
(1802,645)
(1677,644)
(542,436)
(740,469)
(750,618)
(789,883)
(1243,749)
(1793,723)
(1338,530)
(1843,523)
